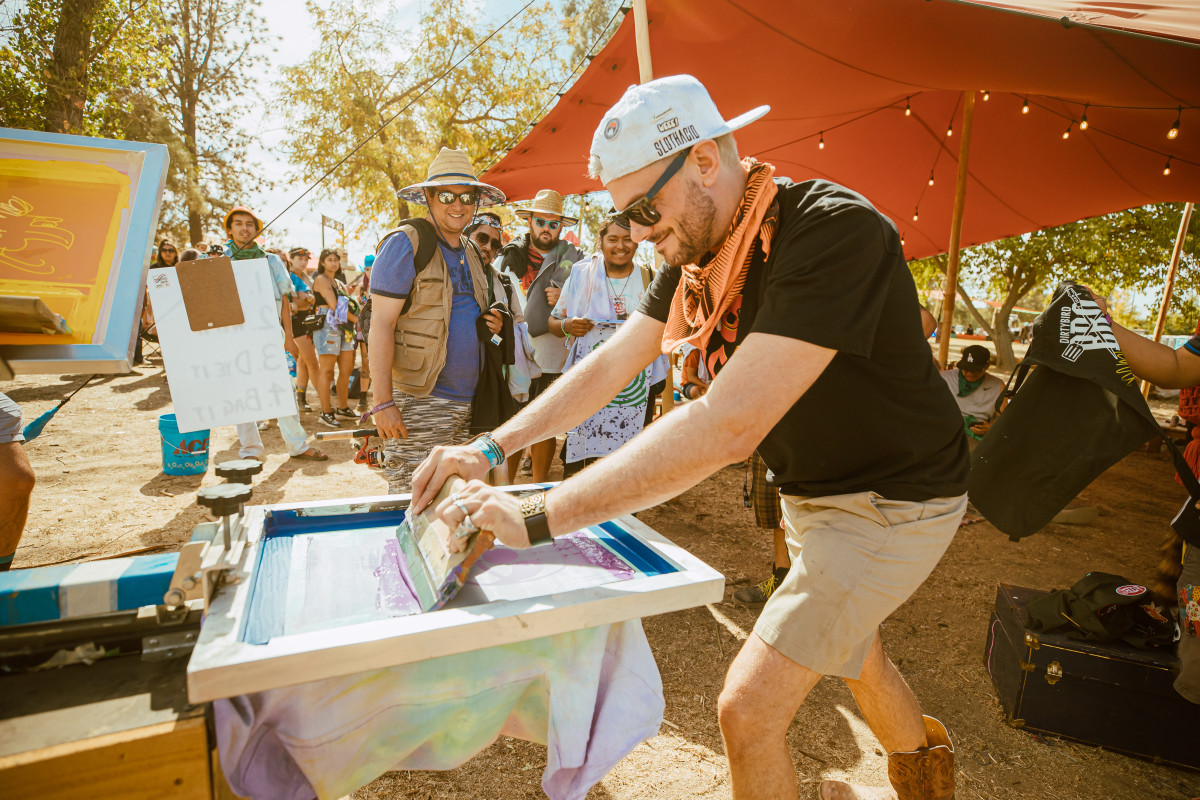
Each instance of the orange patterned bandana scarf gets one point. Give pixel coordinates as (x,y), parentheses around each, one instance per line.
(706,292)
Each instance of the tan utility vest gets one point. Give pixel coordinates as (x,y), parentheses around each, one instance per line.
(423,331)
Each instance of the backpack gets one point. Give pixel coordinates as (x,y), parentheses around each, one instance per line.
(427,237)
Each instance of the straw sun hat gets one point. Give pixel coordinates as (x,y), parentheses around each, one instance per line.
(452,168)
(549,203)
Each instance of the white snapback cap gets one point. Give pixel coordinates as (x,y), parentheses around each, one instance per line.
(655,120)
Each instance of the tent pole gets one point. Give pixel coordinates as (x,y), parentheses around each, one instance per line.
(641,37)
(1170,286)
(950,290)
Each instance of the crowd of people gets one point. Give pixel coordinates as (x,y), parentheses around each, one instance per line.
(467,349)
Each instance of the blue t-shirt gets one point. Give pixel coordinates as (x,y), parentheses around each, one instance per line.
(393,276)
(298,283)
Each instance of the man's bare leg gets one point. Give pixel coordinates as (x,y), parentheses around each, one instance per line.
(542,455)
(16,486)
(889,707)
(762,692)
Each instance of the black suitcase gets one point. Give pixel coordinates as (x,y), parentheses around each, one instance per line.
(1110,695)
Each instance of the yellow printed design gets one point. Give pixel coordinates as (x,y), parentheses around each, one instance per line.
(60,226)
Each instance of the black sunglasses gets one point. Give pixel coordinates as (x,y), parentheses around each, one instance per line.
(484,239)
(466,198)
(642,210)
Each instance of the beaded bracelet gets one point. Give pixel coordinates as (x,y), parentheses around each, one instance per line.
(485,444)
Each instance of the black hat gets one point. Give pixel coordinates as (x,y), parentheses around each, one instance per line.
(975,358)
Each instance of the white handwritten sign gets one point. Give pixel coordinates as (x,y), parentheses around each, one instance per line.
(225,375)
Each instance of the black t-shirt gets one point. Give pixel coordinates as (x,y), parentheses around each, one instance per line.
(879,417)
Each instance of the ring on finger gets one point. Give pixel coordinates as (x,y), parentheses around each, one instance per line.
(465,528)
(458,503)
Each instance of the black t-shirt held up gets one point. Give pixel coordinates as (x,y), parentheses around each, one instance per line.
(878,418)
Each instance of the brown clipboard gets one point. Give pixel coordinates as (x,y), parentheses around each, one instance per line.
(210,293)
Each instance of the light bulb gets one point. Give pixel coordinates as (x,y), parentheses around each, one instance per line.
(821,144)
(907,107)
(986,95)
(1171,134)
(1025,107)
(1067,132)
(915,215)
(902,240)
(931,179)
(950,129)
(1167,167)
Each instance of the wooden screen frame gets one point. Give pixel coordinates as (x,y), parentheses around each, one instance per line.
(111,350)
(223,666)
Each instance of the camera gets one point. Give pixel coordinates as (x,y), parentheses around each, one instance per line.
(216,250)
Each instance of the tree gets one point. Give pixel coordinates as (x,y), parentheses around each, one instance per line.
(211,51)
(1124,250)
(354,83)
(79,66)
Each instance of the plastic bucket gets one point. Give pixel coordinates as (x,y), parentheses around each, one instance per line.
(183,453)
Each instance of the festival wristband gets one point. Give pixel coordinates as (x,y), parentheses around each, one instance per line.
(537,527)
(381,407)
(485,444)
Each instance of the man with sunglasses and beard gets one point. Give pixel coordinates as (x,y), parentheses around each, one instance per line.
(799,298)
(424,348)
(541,262)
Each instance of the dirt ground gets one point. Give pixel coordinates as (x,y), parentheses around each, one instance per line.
(101,492)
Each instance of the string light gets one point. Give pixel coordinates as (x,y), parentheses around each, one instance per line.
(1025,107)
(1083,123)
(931,177)
(915,214)
(1167,167)
(902,240)
(986,95)
(821,144)
(1171,134)
(950,128)
(907,107)
(1067,132)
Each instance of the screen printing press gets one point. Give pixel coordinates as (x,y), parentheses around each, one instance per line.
(301,621)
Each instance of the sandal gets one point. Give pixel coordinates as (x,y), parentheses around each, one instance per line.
(312,454)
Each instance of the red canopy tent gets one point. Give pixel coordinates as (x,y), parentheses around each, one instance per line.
(845,74)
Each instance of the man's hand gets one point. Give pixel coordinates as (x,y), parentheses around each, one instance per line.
(577,326)
(1100,301)
(493,320)
(390,423)
(552,293)
(980,428)
(441,465)
(490,510)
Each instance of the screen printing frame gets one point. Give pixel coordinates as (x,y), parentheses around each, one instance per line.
(223,666)
(112,345)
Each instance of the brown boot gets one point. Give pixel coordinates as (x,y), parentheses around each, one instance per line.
(926,773)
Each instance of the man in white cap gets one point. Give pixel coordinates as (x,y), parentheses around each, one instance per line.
(807,283)
(540,261)
(424,347)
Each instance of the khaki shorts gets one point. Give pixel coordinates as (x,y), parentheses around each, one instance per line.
(855,559)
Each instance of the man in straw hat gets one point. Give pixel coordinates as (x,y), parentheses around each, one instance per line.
(799,298)
(425,354)
(242,226)
(541,263)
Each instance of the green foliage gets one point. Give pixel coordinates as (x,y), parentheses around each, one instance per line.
(1127,251)
(122,65)
(369,67)
(212,53)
